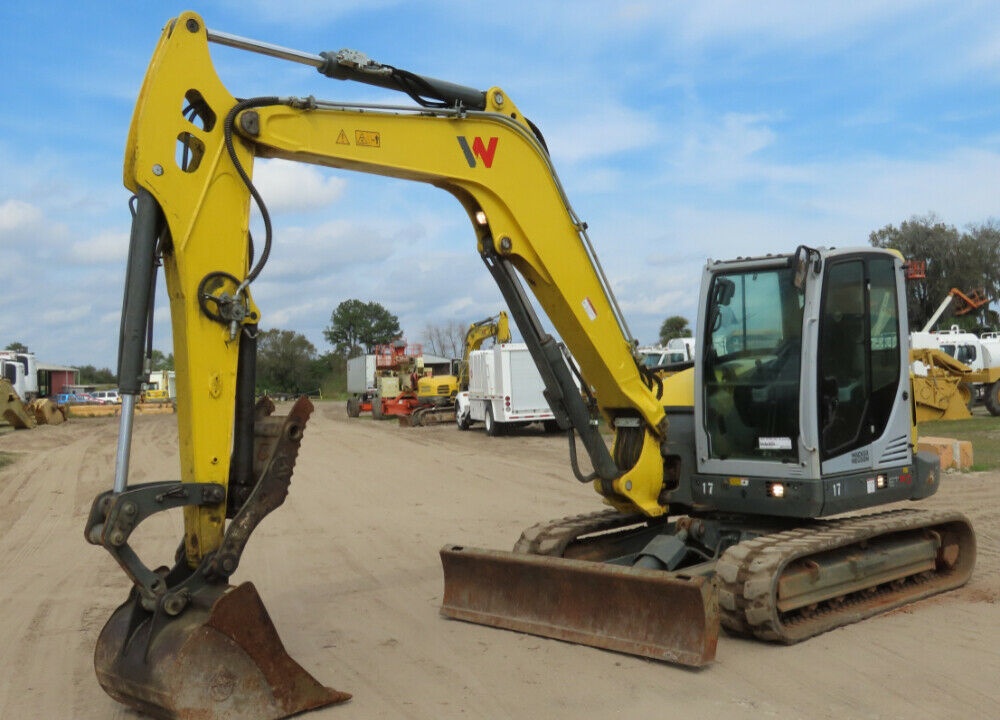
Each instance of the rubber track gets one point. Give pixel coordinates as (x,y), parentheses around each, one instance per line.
(747,574)
(552,537)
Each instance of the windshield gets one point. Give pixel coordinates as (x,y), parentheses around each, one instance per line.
(652,359)
(751,366)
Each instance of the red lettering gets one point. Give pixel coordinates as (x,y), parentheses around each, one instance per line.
(484,152)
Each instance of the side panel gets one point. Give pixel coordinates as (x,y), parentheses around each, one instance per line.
(480,382)
(480,373)
(360,373)
(524,387)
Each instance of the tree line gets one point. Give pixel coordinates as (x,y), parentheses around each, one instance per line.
(967,260)
(288,363)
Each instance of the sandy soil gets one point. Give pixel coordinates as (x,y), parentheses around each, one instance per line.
(349,571)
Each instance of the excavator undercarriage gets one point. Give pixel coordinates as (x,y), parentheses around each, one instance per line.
(780,581)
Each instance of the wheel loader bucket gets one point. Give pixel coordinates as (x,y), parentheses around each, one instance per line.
(12,409)
(220,659)
(46,412)
(651,613)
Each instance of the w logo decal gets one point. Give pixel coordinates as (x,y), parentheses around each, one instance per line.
(479,150)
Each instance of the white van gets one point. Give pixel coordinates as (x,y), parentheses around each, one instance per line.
(107,397)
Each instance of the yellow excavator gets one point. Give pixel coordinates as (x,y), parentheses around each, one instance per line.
(798,407)
(496,328)
(439,393)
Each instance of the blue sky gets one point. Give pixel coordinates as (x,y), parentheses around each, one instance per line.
(681,131)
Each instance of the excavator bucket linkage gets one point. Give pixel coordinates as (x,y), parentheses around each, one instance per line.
(651,613)
(186,644)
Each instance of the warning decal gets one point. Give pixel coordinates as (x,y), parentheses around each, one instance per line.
(367,138)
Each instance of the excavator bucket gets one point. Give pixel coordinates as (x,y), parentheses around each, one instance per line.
(221,659)
(651,613)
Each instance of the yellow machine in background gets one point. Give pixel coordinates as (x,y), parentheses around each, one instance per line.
(943,387)
(13,409)
(495,328)
(440,391)
(797,407)
(25,416)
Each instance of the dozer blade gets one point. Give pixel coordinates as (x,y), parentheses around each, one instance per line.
(220,659)
(651,613)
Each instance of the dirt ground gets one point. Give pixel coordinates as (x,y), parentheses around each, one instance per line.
(349,570)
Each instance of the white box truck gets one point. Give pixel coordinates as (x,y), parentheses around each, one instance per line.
(21,370)
(361,384)
(361,374)
(505,389)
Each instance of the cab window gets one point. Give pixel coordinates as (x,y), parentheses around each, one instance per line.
(859,361)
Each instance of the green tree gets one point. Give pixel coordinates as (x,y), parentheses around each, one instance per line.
(357,327)
(90,375)
(286,363)
(331,369)
(964,260)
(159,361)
(986,241)
(674,326)
(17,347)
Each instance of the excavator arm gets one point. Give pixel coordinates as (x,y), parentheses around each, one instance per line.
(496,327)
(189,161)
(490,159)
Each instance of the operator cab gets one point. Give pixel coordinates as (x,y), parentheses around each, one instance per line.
(803,373)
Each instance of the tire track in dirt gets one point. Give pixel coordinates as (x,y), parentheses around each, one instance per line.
(349,570)
(43,555)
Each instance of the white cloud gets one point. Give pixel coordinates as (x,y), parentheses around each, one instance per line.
(959,186)
(16,215)
(600,133)
(295,187)
(786,20)
(726,150)
(105,247)
(70,314)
